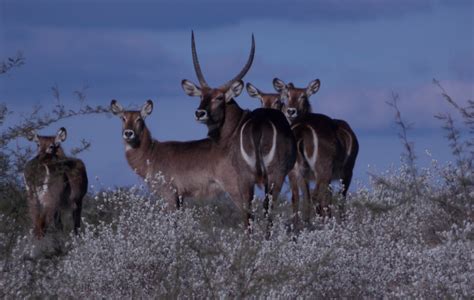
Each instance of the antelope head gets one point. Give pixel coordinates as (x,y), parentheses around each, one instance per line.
(133,121)
(211,110)
(268,100)
(297,99)
(49,144)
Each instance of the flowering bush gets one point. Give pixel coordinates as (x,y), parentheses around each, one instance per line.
(409,234)
(391,243)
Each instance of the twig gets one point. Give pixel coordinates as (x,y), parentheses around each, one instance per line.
(408,156)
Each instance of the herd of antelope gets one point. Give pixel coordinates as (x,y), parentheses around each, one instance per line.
(243,148)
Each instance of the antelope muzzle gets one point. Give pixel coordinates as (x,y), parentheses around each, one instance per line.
(291,113)
(201,115)
(128,135)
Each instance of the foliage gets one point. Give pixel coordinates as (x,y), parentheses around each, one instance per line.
(409,234)
(134,247)
(14,220)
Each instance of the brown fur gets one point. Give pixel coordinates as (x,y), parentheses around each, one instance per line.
(53,181)
(260,145)
(335,155)
(199,168)
(268,100)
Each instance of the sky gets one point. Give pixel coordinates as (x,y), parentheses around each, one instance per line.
(362,51)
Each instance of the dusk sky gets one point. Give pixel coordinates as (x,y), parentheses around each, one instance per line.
(362,51)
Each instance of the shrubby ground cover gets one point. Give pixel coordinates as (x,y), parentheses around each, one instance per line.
(409,233)
(392,242)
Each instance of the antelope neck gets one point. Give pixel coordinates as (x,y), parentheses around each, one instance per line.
(139,157)
(48,156)
(232,119)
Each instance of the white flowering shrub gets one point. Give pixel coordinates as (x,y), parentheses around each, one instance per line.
(393,242)
(408,235)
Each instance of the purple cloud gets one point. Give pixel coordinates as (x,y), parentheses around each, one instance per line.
(366,108)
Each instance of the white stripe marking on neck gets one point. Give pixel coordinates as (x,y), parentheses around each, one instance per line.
(26,183)
(44,188)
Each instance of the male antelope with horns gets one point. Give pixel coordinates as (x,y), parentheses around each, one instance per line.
(53,181)
(243,148)
(258,144)
(200,168)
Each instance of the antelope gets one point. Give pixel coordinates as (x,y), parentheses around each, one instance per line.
(327,148)
(258,144)
(53,182)
(268,100)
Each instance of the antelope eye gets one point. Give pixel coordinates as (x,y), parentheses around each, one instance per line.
(123,118)
(219,98)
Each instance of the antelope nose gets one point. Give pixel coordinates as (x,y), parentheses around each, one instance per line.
(200,114)
(127,133)
(291,112)
(50,149)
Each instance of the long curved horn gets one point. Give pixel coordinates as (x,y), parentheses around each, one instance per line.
(197,67)
(246,67)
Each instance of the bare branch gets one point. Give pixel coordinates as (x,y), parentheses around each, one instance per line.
(12,62)
(81,94)
(85,145)
(3,113)
(41,121)
(408,156)
(459,148)
(467,113)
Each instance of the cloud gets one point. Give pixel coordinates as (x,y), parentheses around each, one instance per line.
(134,65)
(205,14)
(113,63)
(462,65)
(366,108)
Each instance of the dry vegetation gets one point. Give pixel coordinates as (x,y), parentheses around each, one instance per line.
(408,234)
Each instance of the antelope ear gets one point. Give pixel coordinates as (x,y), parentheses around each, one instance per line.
(190,88)
(252,91)
(61,135)
(147,108)
(234,91)
(313,87)
(278,85)
(115,107)
(32,136)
